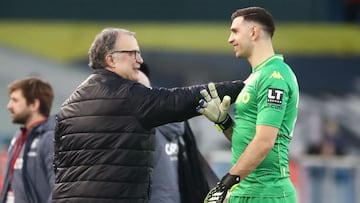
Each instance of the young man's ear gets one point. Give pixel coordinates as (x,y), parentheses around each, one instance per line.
(255,32)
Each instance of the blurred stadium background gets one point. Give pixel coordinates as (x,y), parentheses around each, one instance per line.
(185,42)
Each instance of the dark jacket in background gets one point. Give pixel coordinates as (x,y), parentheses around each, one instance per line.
(165,184)
(34,181)
(196,177)
(104,137)
(181,174)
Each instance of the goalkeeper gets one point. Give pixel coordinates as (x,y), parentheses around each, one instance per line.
(265,115)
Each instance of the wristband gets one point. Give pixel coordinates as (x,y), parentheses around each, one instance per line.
(230,180)
(226,124)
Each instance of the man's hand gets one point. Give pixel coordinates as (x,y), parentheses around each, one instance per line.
(211,106)
(218,193)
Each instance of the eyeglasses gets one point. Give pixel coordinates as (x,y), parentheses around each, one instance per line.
(135,53)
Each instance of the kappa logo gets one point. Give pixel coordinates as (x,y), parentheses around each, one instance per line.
(33,147)
(275,96)
(18,163)
(276,75)
(34,143)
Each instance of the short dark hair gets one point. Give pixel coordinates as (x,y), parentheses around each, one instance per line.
(35,88)
(258,15)
(104,43)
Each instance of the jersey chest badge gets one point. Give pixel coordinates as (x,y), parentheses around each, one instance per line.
(275,96)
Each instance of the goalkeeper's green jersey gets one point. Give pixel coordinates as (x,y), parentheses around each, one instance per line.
(270,97)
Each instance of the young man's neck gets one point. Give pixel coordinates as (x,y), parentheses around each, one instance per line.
(261,53)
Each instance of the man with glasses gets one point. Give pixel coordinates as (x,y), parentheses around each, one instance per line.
(104,137)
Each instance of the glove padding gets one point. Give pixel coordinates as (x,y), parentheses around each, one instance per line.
(218,193)
(212,107)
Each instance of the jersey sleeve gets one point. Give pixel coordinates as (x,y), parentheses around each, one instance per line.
(272,97)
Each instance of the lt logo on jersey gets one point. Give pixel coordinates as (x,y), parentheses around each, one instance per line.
(275,96)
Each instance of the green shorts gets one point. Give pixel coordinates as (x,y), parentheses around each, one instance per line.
(288,199)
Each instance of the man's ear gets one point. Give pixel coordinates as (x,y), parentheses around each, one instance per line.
(109,60)
(35,106)
(255,32)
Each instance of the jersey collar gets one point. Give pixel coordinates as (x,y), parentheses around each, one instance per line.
(262,64)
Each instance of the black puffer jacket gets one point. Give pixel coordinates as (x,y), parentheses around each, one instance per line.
(104,137)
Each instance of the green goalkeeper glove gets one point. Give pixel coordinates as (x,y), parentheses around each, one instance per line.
(218,193)
(214,109)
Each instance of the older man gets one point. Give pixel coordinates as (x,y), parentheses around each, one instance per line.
(104,140)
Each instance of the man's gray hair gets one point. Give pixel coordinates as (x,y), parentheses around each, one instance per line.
(104,43)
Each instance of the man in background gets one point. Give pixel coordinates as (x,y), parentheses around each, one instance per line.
(181,174)
(29,174)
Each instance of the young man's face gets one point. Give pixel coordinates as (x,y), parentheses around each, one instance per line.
(18,107)
(241,37)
